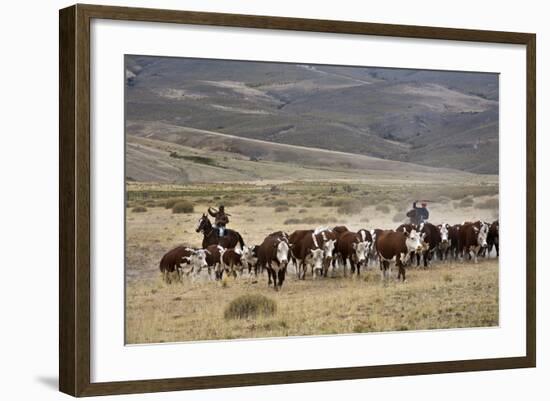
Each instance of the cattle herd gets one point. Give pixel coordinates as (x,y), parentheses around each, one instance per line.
(319,250)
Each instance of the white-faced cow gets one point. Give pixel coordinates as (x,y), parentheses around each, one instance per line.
(396,245)
(308,253)
(352,248)
(191,259)
(471,238)
(445,244)
(250,258)
(366,238)
(328,239)
(274,254)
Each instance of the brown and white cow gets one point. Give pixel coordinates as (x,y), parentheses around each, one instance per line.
(352,248)
(328,239)
(366,238)
(213,260)
(231,261)
(250,258)
(172,261)
(471,238)
(274,254)
(295,240)
(430,236)
(308,253)
(396,245)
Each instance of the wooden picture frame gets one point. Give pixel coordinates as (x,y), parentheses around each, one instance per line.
(74,202)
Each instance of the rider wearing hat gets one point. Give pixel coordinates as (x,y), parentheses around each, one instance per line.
(221,218)
(422,213)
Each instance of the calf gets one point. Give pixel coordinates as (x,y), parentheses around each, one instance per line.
(396,245)
(231,261)
(273,254)
(471,238)
(351,248)
(250,258)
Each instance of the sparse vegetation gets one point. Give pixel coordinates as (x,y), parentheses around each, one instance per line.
(183,207)
(250,306)
(139,209)
(280,209)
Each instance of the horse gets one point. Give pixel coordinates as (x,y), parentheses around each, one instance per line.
(211,236)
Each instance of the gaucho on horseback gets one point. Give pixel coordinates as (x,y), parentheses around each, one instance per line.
(217,233)
(221,219)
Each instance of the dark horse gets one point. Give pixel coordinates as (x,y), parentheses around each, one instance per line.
(211,236)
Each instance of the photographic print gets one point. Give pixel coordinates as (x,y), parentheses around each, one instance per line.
(268,199)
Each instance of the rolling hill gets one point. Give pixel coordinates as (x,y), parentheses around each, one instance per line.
(432,118)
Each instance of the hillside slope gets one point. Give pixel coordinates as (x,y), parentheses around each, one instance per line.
(434,118)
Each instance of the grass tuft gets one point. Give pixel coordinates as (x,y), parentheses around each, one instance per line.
(250,306)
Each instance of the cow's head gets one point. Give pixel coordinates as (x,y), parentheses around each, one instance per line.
(413,241)
(249,255)
(482,235)
(198,259)
(360,249)
(328,248)
(316,260)
(444,232)
(281,250)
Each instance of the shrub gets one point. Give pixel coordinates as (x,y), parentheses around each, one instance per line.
(139,209)
(364,219)
(280,209)
(250,306)
(382,208)
(183,207)
(491,203)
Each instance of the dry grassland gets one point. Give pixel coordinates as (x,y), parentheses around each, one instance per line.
(446,296)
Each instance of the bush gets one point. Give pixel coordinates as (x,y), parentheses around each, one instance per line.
(280,209)
(183,207)
(139,209)
(250,306)
(491,203)
(382,208)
